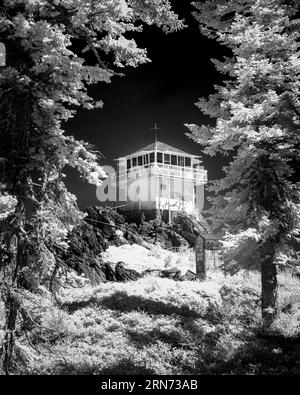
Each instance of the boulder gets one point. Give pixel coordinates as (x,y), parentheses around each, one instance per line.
(174,272)
(123,275)
(190,276)
(178,276)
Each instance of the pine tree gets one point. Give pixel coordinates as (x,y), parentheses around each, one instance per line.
(45,80)
(257,113)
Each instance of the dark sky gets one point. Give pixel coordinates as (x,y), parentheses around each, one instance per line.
(163,91)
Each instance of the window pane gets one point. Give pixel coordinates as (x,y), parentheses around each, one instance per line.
(159,157)
(167,159)
(128,164)
(152,157)
(174,160)
(134,162)
(140,161)
(187,162)
(180,161)
(146,159)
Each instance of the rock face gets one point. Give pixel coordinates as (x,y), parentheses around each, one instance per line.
(189,228)
(157,231)
(85,246)
(104,227)
(106,221)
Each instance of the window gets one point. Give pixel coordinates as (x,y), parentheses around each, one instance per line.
(167,159)
(187,162)
(180,161)
(159,157)
(152,157)
(174,160)
(140,161)
(146,159)
(128,164)
(134,162)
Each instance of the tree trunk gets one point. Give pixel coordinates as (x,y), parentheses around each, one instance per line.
(15,129)
(11,301)
(11,308)
(268,283)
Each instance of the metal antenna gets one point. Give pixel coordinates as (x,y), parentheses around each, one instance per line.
(156,128)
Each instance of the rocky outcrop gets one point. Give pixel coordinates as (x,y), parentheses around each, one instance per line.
(85,246)
(106,221)
(104,227)
(157,231)
(190,228)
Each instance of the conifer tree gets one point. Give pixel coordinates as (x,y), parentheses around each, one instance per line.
(257,113)
(45,80)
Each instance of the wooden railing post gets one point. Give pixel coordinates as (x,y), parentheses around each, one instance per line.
(200,258)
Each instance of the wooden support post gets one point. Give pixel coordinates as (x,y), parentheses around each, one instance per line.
(2,172)
(2,55)
(158,214)
(200,258)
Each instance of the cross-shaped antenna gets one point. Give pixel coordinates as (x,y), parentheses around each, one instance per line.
(156,128)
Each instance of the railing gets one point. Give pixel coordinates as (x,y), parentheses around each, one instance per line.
(158,169)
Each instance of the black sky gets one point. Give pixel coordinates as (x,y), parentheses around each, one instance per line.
(163,91)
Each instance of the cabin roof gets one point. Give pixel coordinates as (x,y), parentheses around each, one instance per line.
(160,146)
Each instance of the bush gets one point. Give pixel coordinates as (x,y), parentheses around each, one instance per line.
(160,326)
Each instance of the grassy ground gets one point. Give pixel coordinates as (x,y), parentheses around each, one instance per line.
(159,326)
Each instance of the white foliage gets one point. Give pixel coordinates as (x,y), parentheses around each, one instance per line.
(8,204)
(257,115)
